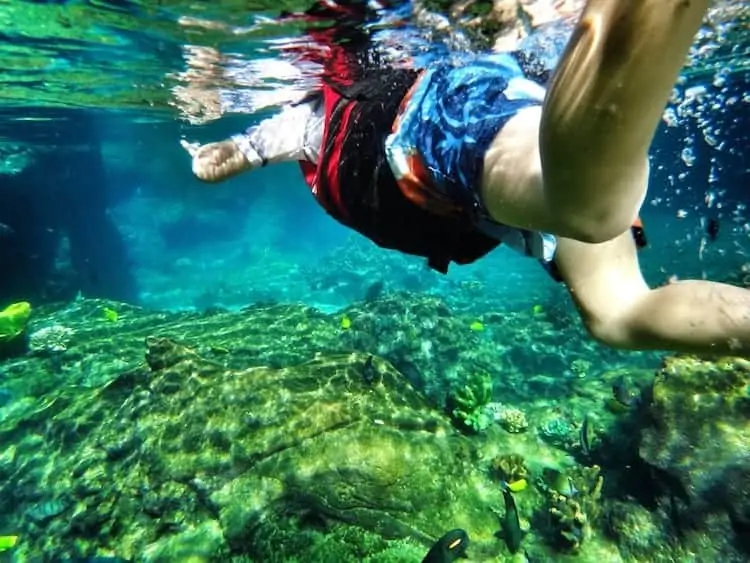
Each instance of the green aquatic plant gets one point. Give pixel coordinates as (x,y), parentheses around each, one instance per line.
(110,314)
(7,542)
(14,320)
(580,368)
(468,405)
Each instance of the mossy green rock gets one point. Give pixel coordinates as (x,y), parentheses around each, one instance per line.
(13,320)
(697,436)
(186,459)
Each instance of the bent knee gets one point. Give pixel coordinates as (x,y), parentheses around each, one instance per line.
(610,333)
(594,229)
(618,332)
(608,323)
(608,209)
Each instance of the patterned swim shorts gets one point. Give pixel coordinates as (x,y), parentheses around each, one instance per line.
(445,126)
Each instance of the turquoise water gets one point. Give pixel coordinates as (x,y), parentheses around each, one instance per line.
(104,230)
(114,76)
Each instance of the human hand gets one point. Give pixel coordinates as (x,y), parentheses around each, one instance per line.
(215,162)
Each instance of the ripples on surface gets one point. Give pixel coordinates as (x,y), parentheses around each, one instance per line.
(144,55)
(116,55)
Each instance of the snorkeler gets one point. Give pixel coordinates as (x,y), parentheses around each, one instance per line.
(450,161)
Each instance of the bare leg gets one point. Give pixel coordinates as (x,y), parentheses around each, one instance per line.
(586,174)
(619,309)
(605,102)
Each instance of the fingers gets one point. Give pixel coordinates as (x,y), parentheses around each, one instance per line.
(191,148)
(215,162)
(218,161)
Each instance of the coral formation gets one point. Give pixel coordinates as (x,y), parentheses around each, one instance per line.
(557,431)
(512,419)
(580,368)
(53,339)
(509,468)
(574,504)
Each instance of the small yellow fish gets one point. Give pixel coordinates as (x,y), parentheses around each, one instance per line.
(518,485)
(7,542)
(346,322)
(537,309)
(476,326)
(110,314)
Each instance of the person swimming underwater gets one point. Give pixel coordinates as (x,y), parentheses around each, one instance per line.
(449,161)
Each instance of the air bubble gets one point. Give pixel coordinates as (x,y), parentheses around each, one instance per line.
(688,156)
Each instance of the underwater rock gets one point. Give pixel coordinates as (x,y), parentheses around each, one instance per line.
(197,460)
(6,396)
(53,339)
(696,438)
(294,437)
(45,511)
(639,535)
(14,320)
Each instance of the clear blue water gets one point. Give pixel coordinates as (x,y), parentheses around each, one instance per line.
(105,78)
(97,197)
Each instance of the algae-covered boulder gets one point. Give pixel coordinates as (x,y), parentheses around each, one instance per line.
(186,459)
(696,438)
(14,320)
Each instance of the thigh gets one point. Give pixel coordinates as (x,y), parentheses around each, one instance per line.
(511,187)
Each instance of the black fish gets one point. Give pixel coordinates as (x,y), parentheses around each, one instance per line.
(369,371)
(448,548)
(624,394)
(374,291)
(712,229)
(584,437)
(511,523)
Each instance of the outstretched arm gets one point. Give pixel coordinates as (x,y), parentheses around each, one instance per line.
(619,309)
(293,134)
